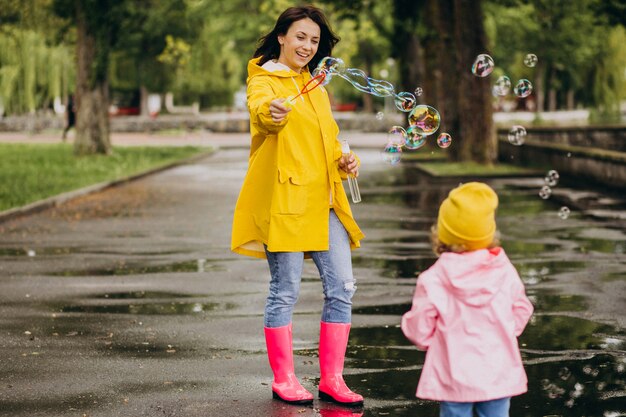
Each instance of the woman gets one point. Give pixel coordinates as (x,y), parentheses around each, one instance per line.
(292,203)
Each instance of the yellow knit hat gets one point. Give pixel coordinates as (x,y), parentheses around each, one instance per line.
(468,216)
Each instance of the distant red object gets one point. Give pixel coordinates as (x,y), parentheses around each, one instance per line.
(124,103)
(124,111)
(345,107)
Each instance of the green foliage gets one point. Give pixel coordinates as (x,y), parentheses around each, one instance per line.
(571,40)
(473,169)
(32,72)
(210,42)
(609,76)
(33,172)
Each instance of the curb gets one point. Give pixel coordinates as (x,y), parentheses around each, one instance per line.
(62,198)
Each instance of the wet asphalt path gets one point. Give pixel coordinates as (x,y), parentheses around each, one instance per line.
(129,303)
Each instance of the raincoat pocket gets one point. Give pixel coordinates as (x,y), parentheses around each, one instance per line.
(290,194)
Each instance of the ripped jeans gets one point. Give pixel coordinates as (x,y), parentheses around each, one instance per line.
(335,268)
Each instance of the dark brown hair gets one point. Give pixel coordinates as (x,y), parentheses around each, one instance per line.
(269,48)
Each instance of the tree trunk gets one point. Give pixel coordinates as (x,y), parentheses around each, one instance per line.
(368,101)
(571,100)
(539,86)
(476,138)
(143,101)
(407,48)
(441,69)
(551,90)
(92,92)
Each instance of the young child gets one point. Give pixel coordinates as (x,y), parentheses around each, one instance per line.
(468,310)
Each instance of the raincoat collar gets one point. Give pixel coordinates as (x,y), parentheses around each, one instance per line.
(274,68)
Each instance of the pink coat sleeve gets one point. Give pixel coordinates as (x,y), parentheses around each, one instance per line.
(418,324)
(522,307)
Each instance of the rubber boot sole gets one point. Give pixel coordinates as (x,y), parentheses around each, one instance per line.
(295,402)
(331,399)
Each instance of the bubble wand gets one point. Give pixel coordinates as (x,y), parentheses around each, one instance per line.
(310,85)
(352,182)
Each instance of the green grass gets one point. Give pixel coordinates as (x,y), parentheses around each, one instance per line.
(424,154)
(473,169)
(31,172)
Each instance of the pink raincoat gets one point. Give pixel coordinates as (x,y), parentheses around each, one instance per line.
(468,309)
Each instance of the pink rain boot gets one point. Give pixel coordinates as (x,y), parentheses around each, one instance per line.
(333,342)
(285,386)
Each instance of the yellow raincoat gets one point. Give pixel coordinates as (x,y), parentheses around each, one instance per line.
(293,176)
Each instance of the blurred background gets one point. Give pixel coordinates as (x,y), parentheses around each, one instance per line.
(153,58)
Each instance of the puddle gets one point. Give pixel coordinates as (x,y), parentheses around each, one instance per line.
(51,251)
(528,248)
(135,269)
(616,276)
(533,272)
(593,387)
(567,333)
(395,268)
(171,308)
(553,303)
(142,295)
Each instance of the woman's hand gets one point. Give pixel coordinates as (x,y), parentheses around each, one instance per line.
(278,110)
(349,164)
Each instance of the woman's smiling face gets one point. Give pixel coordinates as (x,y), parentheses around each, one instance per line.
(299,45)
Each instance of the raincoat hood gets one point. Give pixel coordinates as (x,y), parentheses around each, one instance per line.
(273,68)
(474,277)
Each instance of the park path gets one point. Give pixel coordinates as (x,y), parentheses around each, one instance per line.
(128,302)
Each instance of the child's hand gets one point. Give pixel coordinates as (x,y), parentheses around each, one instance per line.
(349,164)
(278,110)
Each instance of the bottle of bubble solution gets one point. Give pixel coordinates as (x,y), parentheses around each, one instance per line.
(352,182)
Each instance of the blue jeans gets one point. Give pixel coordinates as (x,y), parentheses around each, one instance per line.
(335,268)
(493,408)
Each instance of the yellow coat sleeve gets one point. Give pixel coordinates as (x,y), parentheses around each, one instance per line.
(260,95)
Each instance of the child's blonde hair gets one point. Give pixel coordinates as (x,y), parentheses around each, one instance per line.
(439,247)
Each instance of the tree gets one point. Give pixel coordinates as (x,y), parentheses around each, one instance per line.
(97,27)
(435,43)
(35,64)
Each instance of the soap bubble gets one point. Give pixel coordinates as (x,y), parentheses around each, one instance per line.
(418,91)
(444,140)
(398,135)
(552,178)
(392,153)
(564,212)
(530,60)
(523,88)
(414,140)
(380,115)
(426,118)
(517,135)
(545,192)
(331,65)
(405,101)
(381,88)
(483,65)
(502,86)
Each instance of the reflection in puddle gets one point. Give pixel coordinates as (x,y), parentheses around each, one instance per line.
(198,265)
(568,388)
(172,308)
(69,250)
(142,294)
(565,333)
(557,302)
(166,304)
(395,268)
